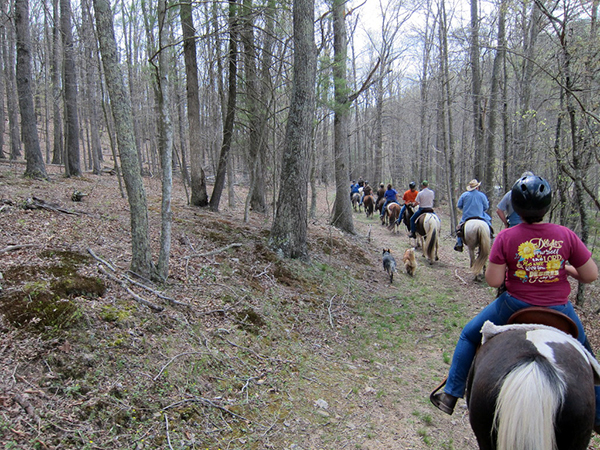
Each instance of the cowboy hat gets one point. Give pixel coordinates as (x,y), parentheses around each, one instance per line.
(473,184)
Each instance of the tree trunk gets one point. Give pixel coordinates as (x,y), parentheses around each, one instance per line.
(12,99)
(165,126)
(35,161)
(342,214)
(494,94)
(479,163)
(57,125)
(290,225)
(141,262)
(91,81)
(199,196)
(230,113)
(72,162)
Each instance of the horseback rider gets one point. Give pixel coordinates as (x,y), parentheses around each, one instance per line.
(391,196)
(409,199)
(424,200)
(505,211)
(353,188)
(534,260)
(474,205)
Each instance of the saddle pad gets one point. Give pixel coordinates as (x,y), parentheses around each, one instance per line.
(489,330)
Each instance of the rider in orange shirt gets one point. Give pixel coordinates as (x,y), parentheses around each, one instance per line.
(409,199)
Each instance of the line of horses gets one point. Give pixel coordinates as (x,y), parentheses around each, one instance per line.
(537,395)
(428,227)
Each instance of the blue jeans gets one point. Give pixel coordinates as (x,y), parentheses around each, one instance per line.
(413,219)
(387,202)
(498,313)
(399,221)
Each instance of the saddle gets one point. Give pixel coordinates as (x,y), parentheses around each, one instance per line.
(545,316)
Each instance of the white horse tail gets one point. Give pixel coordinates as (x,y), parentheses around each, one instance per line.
(431,225)
(529,398)
(485,244)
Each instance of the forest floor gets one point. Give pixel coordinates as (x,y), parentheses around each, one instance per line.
(237,349)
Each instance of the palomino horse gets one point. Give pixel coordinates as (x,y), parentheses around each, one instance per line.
(428,226)
(369,204)
(531,387)
(392,211)
(356,201)
(477,237)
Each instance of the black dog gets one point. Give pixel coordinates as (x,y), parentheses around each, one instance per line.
(389,264)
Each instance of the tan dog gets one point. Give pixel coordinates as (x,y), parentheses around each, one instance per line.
(410,263)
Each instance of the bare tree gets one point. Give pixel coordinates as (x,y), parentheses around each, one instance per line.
(141,262)
(290,226)
(215,198)
(72,164)
(12,103)
(35,161)
(198,179)
(342,214)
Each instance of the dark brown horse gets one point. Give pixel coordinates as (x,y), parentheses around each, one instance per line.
(531,387)
(369,204)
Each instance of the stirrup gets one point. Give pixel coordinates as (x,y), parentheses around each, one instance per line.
(438,400)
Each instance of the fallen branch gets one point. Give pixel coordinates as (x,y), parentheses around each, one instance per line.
(214,252)
(136,297)
(459,277)
(206,402)
(12,248)
(97,258)
(38,203)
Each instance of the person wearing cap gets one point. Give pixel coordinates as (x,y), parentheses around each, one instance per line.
(409,198)
(473,203)
(424,200)
(505,211)
(534,260)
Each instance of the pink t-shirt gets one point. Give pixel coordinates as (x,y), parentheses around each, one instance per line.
(536,265)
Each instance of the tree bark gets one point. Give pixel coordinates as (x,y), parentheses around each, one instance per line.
(230,112)
(72,162)
(12,99)
(480,161)
(342,214)
(199,196)
(290,226)
(35,161)
(165,141)
(141,262)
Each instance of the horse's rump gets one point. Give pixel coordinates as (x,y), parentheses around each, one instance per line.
(428,225)
(521,397)
(368,203)
(476,235)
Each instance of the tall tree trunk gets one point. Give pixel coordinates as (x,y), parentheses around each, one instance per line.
(12,99)
(199,196)
(72,162)
(256,110)
(479,162)
(215,198)
(446,111)
(141,262)
(91,81)
(342,214)
(494,94)
(290,225)
(57,125)
(165,141)
(2,87)
(35,161)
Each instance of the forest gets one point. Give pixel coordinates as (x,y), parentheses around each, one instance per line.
(291,98)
